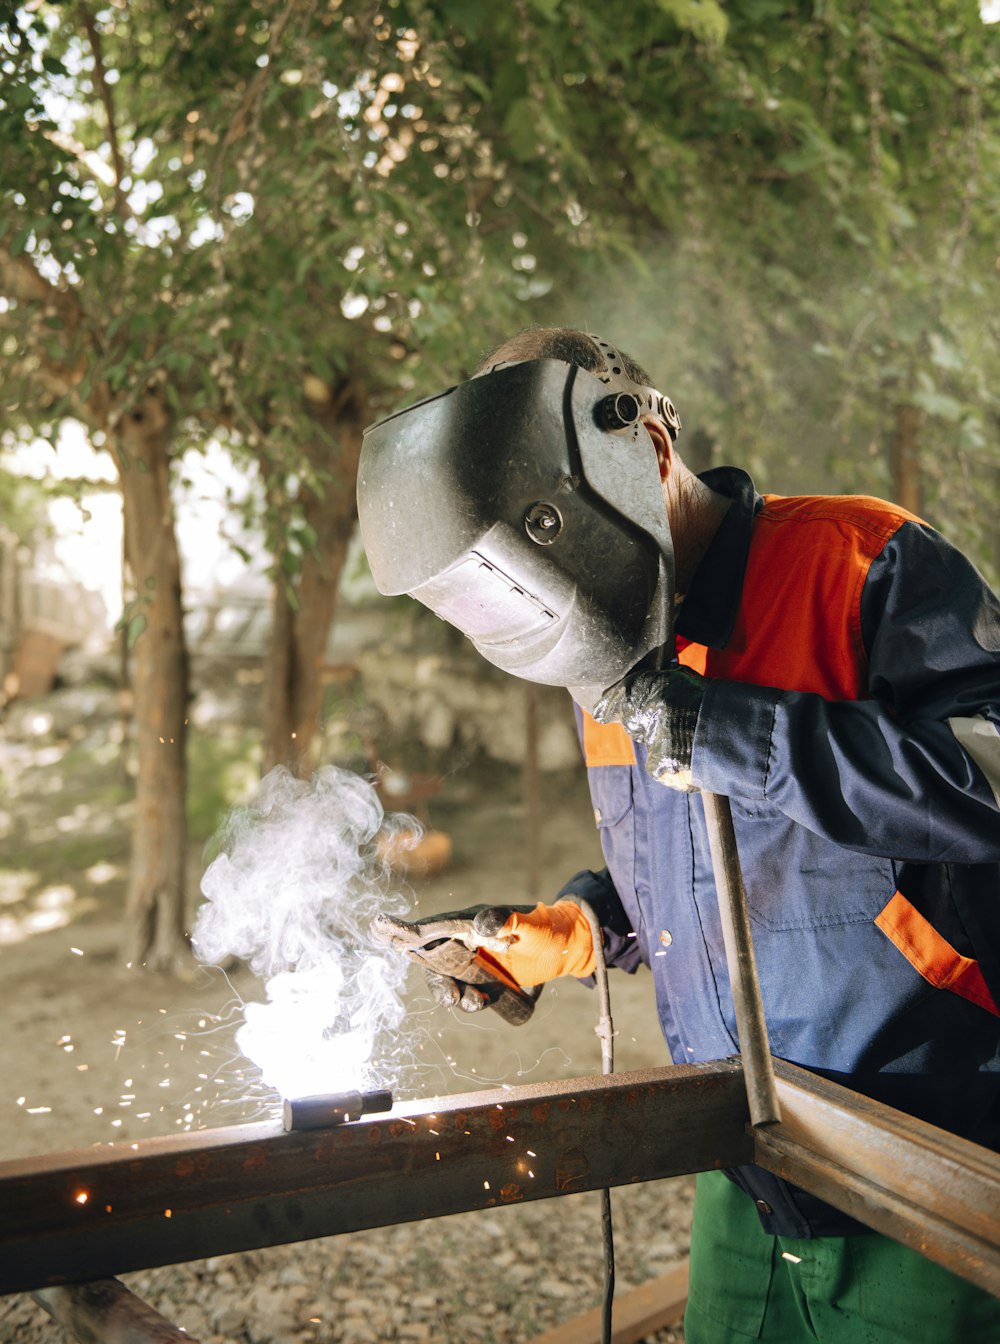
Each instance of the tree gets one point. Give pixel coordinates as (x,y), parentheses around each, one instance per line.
(274,223)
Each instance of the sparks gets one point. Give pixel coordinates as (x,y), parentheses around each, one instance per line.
(77,951)
(81,1197)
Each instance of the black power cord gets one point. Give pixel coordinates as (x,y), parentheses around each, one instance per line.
(605,1031)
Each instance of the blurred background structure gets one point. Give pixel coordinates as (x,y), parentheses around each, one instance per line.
(232,235)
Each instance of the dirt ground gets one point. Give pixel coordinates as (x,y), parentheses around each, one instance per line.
(93,1053)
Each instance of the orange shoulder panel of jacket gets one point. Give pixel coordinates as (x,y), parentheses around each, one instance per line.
(931,955)
(606,743)
(694,656)
(799,623)
(878,516)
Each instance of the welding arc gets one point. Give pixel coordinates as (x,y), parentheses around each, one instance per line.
(332,1108)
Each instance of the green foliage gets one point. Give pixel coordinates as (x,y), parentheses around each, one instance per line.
(788,210)
(223,770)
(22,505)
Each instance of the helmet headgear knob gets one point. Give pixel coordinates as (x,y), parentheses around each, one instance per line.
(618,411)
(543,523)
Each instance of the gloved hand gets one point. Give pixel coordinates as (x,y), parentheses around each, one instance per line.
(495,956)
(659,710)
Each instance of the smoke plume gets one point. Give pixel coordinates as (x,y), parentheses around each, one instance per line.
(293,893)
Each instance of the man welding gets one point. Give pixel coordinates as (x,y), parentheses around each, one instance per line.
(832,665)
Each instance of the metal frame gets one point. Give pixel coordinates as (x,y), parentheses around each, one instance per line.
(185,1197)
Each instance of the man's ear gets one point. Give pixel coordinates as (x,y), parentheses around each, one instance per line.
(663,444)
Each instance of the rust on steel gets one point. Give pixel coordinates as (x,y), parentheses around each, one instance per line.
(100,1212)
(212,1192)
(916,1183)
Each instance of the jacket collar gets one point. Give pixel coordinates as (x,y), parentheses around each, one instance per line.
(708,613)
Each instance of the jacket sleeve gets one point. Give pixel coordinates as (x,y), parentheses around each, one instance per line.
(913,773)
(621,944)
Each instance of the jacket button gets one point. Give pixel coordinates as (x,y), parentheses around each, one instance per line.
(763,1206)
(597,816)
(666,937)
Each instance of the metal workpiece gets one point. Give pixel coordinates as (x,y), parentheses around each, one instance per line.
(332,1108)
(918,1184)
(99,1212)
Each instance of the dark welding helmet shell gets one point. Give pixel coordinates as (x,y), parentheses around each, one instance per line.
(509,507)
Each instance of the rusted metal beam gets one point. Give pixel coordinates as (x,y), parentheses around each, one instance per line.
(918,1184)
(97,1213)
(92,1214)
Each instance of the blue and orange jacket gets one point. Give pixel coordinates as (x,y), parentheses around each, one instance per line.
(853,718)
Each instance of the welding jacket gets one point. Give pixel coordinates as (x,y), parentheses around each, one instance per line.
(853,718)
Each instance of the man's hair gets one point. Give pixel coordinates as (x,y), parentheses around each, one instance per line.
(569,345)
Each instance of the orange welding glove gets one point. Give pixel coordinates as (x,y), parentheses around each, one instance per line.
(533,946)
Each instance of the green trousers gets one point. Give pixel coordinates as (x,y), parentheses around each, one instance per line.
(864,1289)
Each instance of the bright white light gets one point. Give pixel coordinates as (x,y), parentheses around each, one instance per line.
(290,1039)
(240,205)
(353,305)
(293,893)
(989,11)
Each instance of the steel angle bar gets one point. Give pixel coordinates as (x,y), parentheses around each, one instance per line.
(100,1212)
(916,1183)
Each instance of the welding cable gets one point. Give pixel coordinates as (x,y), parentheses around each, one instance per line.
(606,1032)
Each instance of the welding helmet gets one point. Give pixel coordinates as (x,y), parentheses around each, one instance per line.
(524,506)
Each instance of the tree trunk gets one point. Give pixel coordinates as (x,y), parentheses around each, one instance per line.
(154,914)
(904,458)
(296,653)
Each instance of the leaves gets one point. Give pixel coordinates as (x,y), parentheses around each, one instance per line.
(791,217)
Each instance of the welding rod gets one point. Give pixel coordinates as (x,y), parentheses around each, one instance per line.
(332,1108)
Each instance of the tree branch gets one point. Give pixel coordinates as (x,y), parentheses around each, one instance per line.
(21,281)
(245,114)
(94,37)
(927,58)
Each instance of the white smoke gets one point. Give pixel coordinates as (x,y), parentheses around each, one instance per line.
(293,893)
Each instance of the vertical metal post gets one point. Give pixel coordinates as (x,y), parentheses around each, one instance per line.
(750,1025)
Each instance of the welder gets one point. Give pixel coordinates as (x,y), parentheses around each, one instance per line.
(832,664)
